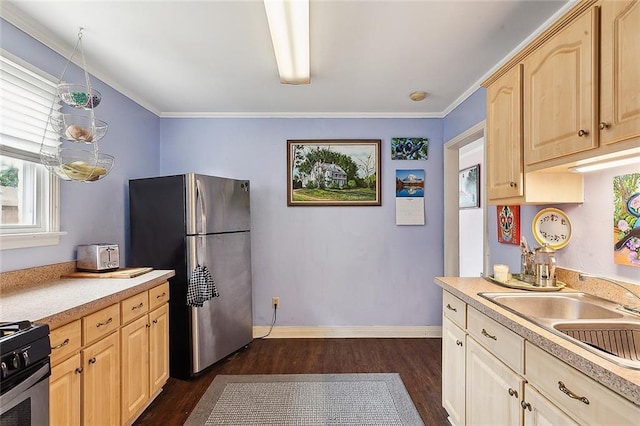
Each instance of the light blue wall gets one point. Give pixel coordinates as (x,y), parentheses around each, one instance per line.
(90,212)
(469,113)
(330,266)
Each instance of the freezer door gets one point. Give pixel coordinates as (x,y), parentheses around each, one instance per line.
(216,204)
(225,323)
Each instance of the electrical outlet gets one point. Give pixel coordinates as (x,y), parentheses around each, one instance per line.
(275,302)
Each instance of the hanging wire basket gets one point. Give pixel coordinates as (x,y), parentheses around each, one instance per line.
(79,164)
(79,96)
(73,163)
(78,128)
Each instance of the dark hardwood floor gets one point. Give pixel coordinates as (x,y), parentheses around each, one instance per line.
(418,361)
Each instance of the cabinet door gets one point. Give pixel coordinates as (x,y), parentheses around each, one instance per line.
(620,71)
(504,136)
(453,371)
(64,393)
(560,92)
(135,367)
(538,411)
(158,348)
(493,390)
(101,382)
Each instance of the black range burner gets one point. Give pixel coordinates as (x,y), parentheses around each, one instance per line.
(22,344)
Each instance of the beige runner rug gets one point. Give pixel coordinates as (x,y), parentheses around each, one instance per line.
(306,399)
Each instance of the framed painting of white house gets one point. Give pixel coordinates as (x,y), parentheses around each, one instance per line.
(337,172)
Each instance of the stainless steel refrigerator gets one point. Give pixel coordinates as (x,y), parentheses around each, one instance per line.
(187,221)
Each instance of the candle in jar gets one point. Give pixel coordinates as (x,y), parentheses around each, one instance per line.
(501,272)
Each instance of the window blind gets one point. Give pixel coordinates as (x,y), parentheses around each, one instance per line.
(27,97)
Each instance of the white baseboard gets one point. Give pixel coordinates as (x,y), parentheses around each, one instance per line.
(346,332)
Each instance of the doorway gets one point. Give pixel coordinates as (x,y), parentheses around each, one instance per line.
(453,254)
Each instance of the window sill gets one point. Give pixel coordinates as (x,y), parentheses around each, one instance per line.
(36,239)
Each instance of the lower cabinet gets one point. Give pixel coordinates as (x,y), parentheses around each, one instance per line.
(145,361)
(453,371)
(64,392)
(492,376)
(493,390)
(101,382)
(110,375)
(539,411)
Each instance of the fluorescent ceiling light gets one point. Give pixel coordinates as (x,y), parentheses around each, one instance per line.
(289,26)
(606,165)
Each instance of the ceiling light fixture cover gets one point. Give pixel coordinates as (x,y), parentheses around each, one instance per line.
(418,96)
(289,26)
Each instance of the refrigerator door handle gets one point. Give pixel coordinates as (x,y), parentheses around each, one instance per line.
(201,217)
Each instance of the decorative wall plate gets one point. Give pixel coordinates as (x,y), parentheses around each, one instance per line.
(552,227)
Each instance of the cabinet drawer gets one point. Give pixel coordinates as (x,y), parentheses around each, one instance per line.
(454,309)
(556,380)
(65,340)
(134,306)
(100,323)
(158,295)
(499,340)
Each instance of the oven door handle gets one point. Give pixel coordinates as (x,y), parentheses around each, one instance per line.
(42,373)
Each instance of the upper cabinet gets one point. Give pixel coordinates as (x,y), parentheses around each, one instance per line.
(620,71)
(504,136)
(560,93)
(570,96)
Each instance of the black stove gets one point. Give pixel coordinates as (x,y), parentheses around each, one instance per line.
(23,345)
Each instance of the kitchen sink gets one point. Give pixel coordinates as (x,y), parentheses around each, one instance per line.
(596,324)
(566,306)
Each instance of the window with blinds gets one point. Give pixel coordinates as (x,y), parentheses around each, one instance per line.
(28,192)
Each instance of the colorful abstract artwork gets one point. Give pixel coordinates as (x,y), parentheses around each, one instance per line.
(409,148)
(626,219)
(509,224)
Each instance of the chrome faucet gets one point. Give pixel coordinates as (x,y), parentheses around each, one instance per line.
(583,277)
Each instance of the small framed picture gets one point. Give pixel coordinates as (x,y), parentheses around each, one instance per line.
(469,187)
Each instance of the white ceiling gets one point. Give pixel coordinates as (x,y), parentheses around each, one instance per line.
(214,58)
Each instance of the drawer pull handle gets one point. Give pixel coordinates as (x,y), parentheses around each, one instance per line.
(512,184)
(451,308)
(485,334)
(92,360)
(459,342)
(137,307)
(65,343)
(148,325)
(79,370)
(604,125)
(100,324)
(155,321)
(161,295)
(513,392)
(525,405)
(582,133)
(568,392)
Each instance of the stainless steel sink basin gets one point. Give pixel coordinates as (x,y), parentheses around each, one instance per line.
(595,324)
(620,340)
(566,306)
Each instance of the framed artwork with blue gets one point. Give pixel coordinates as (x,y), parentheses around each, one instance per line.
(409,148)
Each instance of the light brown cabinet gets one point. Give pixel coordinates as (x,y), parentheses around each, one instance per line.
(580,102)
(145,350)
(506,181)
(108,366)
(560,88)
(620,71)
(64,391)
(505,172)
(101,382)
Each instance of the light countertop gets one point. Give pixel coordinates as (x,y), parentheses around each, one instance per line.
(624,381)
(61,301)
